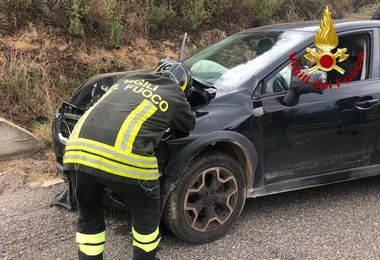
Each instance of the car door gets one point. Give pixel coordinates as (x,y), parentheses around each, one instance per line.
(322,133)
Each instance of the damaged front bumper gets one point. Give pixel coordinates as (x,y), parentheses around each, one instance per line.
(62,125)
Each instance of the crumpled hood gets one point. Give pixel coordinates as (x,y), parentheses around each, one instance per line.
(226,111)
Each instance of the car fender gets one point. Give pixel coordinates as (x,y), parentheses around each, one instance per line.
(178,164)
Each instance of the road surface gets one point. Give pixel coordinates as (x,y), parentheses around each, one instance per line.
(339,221)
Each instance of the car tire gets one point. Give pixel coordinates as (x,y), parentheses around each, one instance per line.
(208,199)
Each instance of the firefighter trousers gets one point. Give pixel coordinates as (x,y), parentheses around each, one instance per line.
(142,200)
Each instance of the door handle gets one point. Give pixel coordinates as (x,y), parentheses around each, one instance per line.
(367,104)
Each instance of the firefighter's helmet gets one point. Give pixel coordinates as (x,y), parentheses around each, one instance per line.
(178,72)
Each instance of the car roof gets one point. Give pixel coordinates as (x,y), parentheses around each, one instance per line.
(313,26)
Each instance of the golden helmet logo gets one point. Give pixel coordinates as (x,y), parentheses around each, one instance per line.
(326,40)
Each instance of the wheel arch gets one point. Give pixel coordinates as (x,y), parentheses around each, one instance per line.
(235,144)
(238,152)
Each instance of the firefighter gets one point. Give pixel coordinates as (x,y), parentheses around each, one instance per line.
(112,146)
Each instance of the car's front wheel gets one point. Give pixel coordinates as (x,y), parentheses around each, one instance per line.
(208,199)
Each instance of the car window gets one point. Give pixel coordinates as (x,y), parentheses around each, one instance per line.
(355,44)
(280,82)
(285,79)
(232,61)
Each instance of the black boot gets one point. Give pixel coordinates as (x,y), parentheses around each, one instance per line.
(83,256)
(139,254)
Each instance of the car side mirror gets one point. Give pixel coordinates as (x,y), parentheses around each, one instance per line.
(291,98)
(297,89)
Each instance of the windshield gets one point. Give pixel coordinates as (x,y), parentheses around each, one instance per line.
(235,59)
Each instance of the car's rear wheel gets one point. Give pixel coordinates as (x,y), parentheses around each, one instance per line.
(208,199)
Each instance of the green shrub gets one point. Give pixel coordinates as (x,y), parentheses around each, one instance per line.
(113,25)
(114,32)
(158,16)
(216,8)
(194,13)
(259,12)
(78,9)
(105,17)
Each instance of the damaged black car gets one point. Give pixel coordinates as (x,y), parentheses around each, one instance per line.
(260,130)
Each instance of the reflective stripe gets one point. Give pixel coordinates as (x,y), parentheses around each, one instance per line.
(145,238)
(125,127)
(79,124)
(83,118)
(183,87)
(129,139)
(147,247)
(91,238)
(109,148)
(91,250)
(111,154)
(96,158)
(111,168)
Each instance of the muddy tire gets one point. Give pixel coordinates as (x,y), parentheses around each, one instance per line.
(208,199)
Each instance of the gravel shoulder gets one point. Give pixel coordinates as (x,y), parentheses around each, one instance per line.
(339,221)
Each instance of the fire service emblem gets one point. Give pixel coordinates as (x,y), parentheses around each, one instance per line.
(323,59)
(326,40)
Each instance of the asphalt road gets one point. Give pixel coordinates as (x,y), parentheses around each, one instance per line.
(339,221)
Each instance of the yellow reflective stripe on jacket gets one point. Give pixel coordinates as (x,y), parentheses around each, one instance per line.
(85,155)
(145,238)
(111,164)
(108,148)
(79,124)
(91,250)
(111,167)
(126,124)
(131,136)
(112,170)
(111,154)
(147,247)
(83,118)
(91,238)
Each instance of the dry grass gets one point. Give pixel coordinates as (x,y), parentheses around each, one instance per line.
(43,132)
(40,66)
(364,12)
(26,86)
(39,69)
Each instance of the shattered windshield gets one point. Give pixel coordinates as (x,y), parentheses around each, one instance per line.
(235,59)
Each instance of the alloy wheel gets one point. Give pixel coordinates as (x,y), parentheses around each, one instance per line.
(211,199)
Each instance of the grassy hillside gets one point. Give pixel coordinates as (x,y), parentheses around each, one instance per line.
(48,47)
